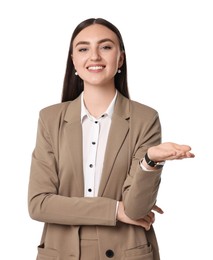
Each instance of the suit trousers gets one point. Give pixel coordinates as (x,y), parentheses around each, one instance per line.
(88,243)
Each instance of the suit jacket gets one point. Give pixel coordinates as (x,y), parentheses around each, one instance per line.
(56,185)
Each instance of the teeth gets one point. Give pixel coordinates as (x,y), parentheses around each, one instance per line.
(95,68)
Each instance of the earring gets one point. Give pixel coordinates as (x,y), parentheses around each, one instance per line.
(76,73)
(119,71)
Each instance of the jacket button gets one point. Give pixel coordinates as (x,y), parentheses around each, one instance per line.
(109,253)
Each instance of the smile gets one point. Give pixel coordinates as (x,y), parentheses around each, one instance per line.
(95,67)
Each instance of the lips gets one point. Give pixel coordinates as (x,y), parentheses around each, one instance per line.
(95,67)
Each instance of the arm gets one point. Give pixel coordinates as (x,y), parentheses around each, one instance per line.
(50,198)
(141,187)
(161,152)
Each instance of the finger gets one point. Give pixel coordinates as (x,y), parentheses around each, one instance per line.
(182,147)
(158,209)
(143,223)
(148,228)
(185,148)
(146,225)
(152,217)
(190,155)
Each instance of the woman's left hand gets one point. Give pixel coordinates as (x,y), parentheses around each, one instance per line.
(169,151)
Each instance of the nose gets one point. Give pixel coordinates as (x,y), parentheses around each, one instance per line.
(95,54)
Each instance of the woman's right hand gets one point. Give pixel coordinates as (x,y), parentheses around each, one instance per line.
(145,222)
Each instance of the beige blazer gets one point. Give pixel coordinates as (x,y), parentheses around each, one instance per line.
(56,183)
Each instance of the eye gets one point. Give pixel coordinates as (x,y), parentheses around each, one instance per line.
(83,49)
(106,47)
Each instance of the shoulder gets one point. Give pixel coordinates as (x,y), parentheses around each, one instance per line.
(138,109)
(54,111)
(130,108)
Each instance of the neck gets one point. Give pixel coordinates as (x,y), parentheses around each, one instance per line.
(97,100)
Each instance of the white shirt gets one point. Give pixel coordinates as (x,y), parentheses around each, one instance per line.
(95,135)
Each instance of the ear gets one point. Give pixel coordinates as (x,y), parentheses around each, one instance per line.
(121,59)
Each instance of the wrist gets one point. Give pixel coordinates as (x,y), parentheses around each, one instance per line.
(153,164)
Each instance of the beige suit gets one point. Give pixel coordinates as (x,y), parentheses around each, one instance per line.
(56,183)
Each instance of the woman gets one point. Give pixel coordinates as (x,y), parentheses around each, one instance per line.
(97,164)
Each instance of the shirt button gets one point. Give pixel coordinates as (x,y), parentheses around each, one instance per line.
(109,253)
(90,190)
(94,143)
(96,122)
(90,165)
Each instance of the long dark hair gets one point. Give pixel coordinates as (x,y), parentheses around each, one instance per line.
(73,85)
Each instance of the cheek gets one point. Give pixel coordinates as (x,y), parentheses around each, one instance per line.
(78,61)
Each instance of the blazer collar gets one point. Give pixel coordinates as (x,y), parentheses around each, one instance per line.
(73,113)
(121,108)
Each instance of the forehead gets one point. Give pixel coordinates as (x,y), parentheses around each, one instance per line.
(95,33)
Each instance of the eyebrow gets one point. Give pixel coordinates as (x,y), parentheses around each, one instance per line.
(100,41)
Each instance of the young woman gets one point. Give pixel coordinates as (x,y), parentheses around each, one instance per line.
(97,163)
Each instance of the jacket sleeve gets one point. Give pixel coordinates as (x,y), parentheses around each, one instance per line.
(46,204)
(140,188)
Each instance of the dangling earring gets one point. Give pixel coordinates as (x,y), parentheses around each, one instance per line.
(119,71)
(76,73)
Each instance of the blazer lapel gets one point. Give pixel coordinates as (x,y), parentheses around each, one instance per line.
(118,132)
(73,133)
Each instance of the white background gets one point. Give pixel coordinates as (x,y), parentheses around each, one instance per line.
(169,48)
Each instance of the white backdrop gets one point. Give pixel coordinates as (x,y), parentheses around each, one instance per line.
(170,64)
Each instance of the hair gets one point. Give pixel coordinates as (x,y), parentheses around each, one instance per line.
(73,85)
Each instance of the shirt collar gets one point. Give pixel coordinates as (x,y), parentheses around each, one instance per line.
(108,112)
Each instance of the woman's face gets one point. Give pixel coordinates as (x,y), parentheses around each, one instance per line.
(97,55)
